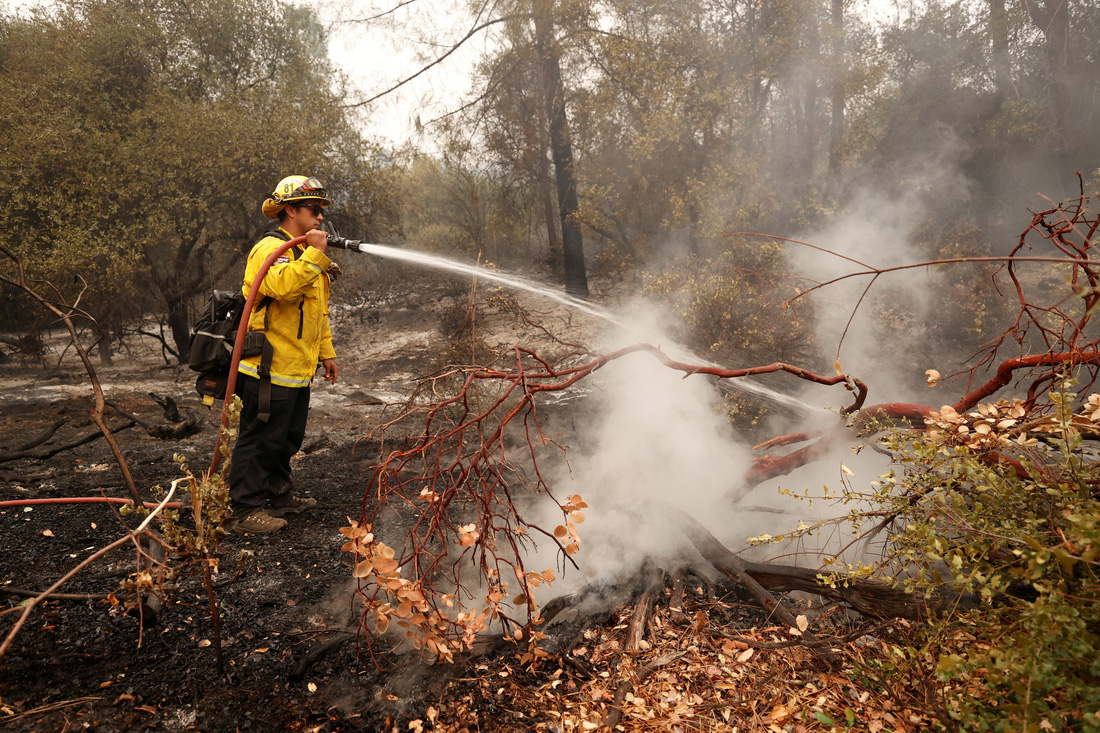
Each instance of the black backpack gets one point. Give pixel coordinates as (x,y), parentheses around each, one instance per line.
(215,334)
(212,339)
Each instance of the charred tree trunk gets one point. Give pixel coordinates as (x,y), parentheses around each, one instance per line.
(998,36)
(178,324)
(553,238)
(1052,18)
(837,95)
(576,279)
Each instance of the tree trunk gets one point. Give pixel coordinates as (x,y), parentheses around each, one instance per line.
(838,98)
(998,36)
(1052,18)
(103,345)
(179,325)
(553,237)
(576,279)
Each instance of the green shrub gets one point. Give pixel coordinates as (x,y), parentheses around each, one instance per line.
(1001,503)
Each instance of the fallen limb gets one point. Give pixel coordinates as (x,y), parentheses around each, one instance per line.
(311,657)
(835,641)
(42,453)
(869,597)
(56,596)
(40,438)
(48,708)
(721,558)
(190,426)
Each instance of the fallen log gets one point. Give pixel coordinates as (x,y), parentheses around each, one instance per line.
(41,453)
(724,560)
(191,425)
(869,597)
(40,438)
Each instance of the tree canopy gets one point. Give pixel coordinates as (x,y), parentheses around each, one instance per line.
(142,137)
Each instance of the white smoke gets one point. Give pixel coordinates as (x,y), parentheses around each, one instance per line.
(874,231)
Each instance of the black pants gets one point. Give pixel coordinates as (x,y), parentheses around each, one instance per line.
(260,473)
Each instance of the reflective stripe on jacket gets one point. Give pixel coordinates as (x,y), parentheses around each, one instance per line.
(296,318)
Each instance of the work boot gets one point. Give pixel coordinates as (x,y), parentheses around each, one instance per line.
(290,504)
(259,521)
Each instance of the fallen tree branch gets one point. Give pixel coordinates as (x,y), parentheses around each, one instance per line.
(190,426)
(870,597)
(6,456)
(40,439)
(723,559)
(57,596)
(848,638)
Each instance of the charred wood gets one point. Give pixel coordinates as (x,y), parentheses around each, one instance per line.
(724,560)
(54,450)
(643,609)
(41,438)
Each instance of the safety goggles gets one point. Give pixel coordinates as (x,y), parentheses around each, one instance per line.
(307,186)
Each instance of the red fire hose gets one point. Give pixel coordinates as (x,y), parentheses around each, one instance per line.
(86,500)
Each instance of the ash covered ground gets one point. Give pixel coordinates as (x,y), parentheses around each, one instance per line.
(286,599)
(82,663)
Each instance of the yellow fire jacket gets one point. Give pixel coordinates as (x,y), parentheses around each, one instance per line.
(295,320)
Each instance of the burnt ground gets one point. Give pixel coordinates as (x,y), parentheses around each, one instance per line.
(86,664)
(83,663)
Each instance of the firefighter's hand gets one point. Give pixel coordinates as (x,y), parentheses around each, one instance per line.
(317,239)
(331,370)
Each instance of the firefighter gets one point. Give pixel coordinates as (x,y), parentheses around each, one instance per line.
(292,313)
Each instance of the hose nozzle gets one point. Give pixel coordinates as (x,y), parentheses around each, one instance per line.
(335,240)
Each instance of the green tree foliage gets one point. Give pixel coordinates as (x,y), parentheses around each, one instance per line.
(454,204)
(733,306)
(143,136)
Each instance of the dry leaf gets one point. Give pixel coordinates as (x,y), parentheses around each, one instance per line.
(744,656)
(803,623)
(46,533)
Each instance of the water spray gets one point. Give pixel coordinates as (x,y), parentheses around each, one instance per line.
(520,283)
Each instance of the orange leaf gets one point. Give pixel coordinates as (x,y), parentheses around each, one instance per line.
(384,564)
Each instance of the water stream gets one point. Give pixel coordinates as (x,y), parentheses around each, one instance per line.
(517,282)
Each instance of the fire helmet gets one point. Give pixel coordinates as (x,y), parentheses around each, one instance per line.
(293,189)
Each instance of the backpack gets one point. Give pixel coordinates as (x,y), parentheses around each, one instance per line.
(214,335)
(212,339)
